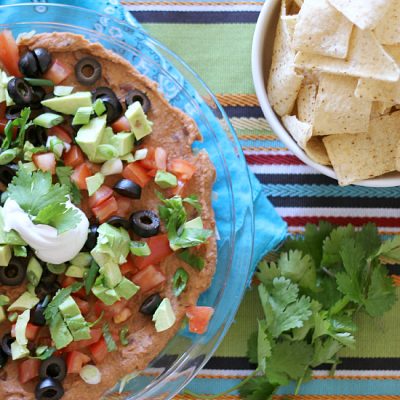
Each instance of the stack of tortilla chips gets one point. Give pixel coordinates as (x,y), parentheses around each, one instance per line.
(335,81)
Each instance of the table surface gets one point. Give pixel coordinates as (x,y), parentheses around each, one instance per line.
(214,38)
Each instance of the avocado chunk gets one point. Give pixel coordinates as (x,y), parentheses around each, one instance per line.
(123,142)
(104,153)
(106,295)
(48,120)
(140,125)
(3,316)
(126,288)
(164,317)
(24,302)
(34,271)
(165,179)
(83,259)
(19,351)
(94,182)
(90,136)
(75,271)
(112,275)
(82,116)
(5,255)
(59,332)
(69,104)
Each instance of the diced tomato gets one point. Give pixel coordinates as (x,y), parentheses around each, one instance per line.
(80,174)
(68,281)
(106,209)
(61,133)
(124,206)
(99,350)
(30,333)
(159,247)
(75,361)
(82,304)
(9,54)
(100,196)
(45,162)
(182,169)
(199,317)
(148,278)
(109,311)
(160,158)
(137,174)
(93,167)
(3,107)
(95,334)
(129,266)
(58,72)
(3,123)
(149,162)
(152,172)
(73,157)
(121,125)
(28,370)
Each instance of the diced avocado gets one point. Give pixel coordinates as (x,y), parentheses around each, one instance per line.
(48,120)
(112,275)
(4,300)
(69,308)
(106,295)
(19,351)
(104,153)
(128,158)
(94,182)
(31,289)
(140,125)
(112,167)
(75,271)
(62,90)
(3,316)
(123,142)
(69,104)
(73,319)
(99,107)
(83,259)
(34,271)
(24,302)
(165,179)
(140,249)
(59,332)
(126,288)
(12,317)
(20,327)
(107,135)
(82,116)
(5,255)
(56,145)
(164,317)
(196,223)
(90,136)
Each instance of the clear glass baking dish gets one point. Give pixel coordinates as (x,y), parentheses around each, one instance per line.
(186,354)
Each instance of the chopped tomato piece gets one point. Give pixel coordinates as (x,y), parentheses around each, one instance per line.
(61,133)
(152,172)
(58,72)
(149,162)
(9,54)
(80,174)
(109,311)
(182,169)
(28,370)
(45,161)
(129,266)
(99,350)
(75,361)
(100,196)
(160,158)
(95,334)
(137,174)
(121,125)
(82,304)
(106,209)
(73,157)
(159,247)
(3,107)
(148,278)
(124,206)
(3,123)
(199,317)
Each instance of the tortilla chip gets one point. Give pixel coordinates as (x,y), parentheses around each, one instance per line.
(337,109)
(363,13)
(283,82)
(398,158)
(299,2)
(306,103)
(321,29)
(380,108)
(388,29)
(366,58)
(365,155)
(302,134)
(290,21)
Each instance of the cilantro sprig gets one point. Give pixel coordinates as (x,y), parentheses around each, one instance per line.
(310,295)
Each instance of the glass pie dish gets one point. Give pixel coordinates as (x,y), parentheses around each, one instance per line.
(186,353)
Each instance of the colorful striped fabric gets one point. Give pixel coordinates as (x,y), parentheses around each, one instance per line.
(214,37)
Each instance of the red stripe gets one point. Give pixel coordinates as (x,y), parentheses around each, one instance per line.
(356,221)
(260,159)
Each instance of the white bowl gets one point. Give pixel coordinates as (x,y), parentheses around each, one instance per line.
(263,42)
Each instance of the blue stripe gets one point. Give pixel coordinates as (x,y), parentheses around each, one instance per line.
(294,179)
(192,17)
(263,143)
(244,112)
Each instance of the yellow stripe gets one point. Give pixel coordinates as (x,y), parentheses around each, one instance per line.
(257,137)
(261,148)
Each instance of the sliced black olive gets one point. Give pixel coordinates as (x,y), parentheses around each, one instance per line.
(13,112)
(37,314)
(150,305)
(6,342)
(118,222)
(42,290)
(38,95)
(91,240)
(3,359)
(88,71)
(111,102)
(137,95)
(145,223)
(36,135)
(20,91)
(7,172)
(43,58)
(49,389)
(54,367)
(48,278)
(14,274)
(28,65)
(127,188)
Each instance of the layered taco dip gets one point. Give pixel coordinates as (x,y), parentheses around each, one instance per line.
(106,225)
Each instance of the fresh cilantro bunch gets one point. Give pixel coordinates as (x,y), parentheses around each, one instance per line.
(310,295)
(42,200)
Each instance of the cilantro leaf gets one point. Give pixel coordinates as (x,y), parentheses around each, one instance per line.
(194,202)
(333,243)
(111,345)
(22,123)
(58,216)
(44,353)
(263,345)
(252,348)
(64,177)
(390,250)
(258,388)
(326,351)
(369,240)
(267,272)
(8,133)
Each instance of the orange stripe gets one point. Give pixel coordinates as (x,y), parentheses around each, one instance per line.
(238,100)
(257,137)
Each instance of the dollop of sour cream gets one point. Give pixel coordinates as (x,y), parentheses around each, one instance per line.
(49,246)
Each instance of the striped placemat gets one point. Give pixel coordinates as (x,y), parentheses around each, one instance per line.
(214,37)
